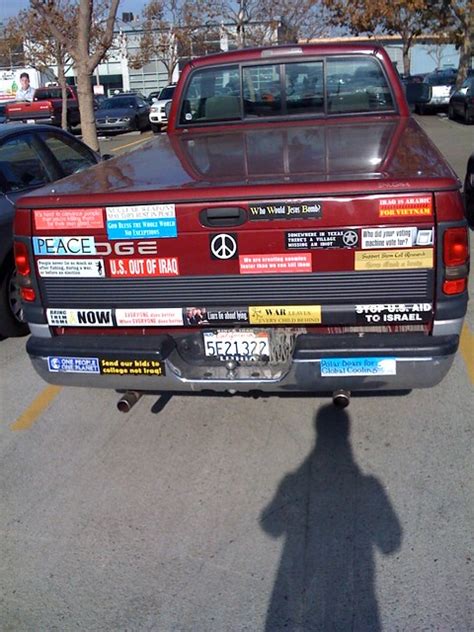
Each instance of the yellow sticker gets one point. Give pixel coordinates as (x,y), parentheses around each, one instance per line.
(285,314)
(394,259)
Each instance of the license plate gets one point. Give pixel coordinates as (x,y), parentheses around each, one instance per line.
(30,121)
(241,345)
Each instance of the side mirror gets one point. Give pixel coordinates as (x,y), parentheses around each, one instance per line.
(417,93)
(168,109)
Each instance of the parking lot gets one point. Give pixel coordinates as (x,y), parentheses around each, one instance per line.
(215,514)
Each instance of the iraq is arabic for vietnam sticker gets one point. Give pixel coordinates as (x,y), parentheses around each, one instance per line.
(147,221)
(406,206)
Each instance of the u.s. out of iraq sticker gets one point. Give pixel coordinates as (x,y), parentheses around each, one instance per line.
(293,209)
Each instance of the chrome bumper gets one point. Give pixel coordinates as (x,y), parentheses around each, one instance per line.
(421,362)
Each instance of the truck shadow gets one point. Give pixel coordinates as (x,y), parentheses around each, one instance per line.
(332,517)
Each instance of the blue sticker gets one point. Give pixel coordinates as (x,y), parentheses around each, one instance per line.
(64,246)
(62,364)
(339,367)
(142,228)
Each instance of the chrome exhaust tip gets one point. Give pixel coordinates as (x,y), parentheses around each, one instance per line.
(341,398)
(128,401)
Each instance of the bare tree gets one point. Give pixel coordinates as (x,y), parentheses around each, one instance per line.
(458,19)
(87,43)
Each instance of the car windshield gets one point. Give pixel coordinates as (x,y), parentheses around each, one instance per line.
(166,93)
(117,102)
(440,80)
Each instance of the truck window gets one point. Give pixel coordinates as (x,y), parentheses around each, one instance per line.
(356,84)
(212,95)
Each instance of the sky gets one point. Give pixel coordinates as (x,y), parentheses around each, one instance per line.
(10,8)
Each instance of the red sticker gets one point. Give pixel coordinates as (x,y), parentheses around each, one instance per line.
(69,218)
(268,264)
(406,206)
(152,267)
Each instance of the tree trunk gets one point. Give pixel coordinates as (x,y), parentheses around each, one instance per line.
(464,59)
(406,57)
(63,84)
(86,108)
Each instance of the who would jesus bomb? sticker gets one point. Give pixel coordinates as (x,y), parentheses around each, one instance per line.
(146,267)
(141,221)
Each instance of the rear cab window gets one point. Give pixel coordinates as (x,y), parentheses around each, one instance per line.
(336,85)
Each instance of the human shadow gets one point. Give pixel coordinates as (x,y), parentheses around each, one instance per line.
(332,516)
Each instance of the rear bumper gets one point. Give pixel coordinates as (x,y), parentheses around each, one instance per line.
(420,361)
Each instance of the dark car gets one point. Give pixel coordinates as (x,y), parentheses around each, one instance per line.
(3,116)
(122,113)
(469,191)
(461,103)
(30,157)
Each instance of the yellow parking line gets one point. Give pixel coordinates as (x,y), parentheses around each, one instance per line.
(39,404)
(135,142)
(467,349)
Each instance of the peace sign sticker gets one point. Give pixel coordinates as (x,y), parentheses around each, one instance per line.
(223,246)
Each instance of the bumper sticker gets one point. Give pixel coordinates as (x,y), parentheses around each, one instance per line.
(274,264)
(142,221)
(66,364)
(48,268)
(68,218)
(153,317)
(310,240)
(297,209)
(285,314)
(79,317)
(339,367)
(394,259)
(146,267)
(64,246)
(406,206)
(215,315)
(134,366)
(394,313)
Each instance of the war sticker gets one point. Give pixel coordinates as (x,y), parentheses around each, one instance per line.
(310,240)
(285,314)
(79,317)
(406,206)
(297,209)
(69,218)
(128,366)
(273,264)
(49,268)
(141,221)
(393,259)
(146,267)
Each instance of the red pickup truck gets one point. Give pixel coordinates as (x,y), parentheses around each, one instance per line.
(295,230)
(46,107)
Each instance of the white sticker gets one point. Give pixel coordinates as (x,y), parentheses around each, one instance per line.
(144,211)
(79,317)
(71,267)
(399,237)
(153,317)
(64,245)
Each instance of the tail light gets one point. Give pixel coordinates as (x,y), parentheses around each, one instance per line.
(456,260)
(22,263)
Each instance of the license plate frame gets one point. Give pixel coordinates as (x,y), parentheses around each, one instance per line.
(245,345)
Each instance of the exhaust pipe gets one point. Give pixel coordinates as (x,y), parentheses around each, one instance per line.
(341,398)
(128,401)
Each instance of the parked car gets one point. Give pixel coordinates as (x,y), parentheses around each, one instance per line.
(122,113)
(157,111)
(461,102)
(469,191)
(30,156)
(153,96)
(441,84)
(3,114)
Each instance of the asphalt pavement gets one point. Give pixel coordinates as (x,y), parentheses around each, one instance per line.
(214,514)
